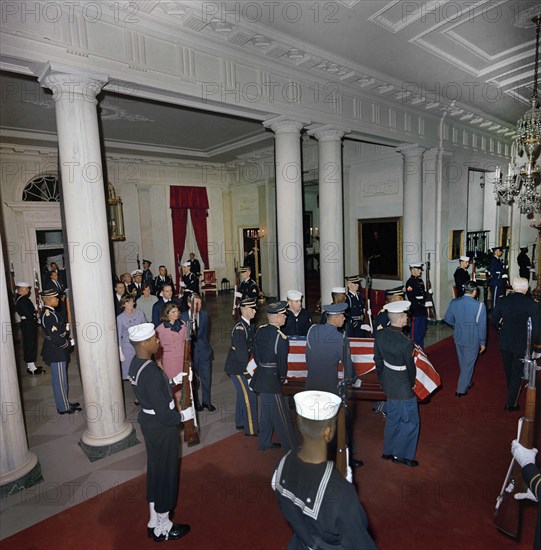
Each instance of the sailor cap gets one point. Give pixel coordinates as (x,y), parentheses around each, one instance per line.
(317,405)
(142,332)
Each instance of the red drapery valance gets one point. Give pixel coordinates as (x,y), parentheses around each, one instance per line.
(196,201)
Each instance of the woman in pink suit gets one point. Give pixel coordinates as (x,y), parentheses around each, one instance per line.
(172,335)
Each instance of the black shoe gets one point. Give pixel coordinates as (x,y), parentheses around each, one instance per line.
(239,427)
(176,532)
(251,435)
(471,385)
(512,407)
(210,407)
(458,394)
(74,405)
(273,446)
(150,532)
(198,407)
(386,457)
(354,463)
(71,410)
(38,371)
(405,462)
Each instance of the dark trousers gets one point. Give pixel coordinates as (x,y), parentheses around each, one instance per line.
(419,330)
(402,428)
(514,369)
(59,376)
(275,415)
(203,377)
(246,405)
(30,340)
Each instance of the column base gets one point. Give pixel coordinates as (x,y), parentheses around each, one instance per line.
(27,480)
(95,452)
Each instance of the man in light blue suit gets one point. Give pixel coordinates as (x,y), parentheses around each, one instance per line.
(468,317)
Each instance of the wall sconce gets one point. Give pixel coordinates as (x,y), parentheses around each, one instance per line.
(116,215)
(482,181)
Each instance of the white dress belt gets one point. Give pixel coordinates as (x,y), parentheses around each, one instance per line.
(394,367)
(152,411)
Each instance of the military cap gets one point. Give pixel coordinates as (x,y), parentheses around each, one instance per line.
(353,279)
(494,248)
(276,307)
(417,265)
(147,262)
(338,290)
(334,309)
(396,291)
(142,332)
(397,307)
(186,264)
(248,302)
(23,284)
(136,272)
(294,295)
(522,249)
(317,405)
(464,258)
(48,293)
(245,268)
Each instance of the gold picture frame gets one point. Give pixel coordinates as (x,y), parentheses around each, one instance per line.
(505,236)
(456,244)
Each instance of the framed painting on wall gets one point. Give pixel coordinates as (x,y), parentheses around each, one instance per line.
(456,244)
(505,236)
(380,247)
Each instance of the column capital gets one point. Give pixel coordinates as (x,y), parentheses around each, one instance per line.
(328,132)
(72,84)
(411,150)
(284,124)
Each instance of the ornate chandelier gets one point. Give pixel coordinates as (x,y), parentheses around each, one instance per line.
(523,175)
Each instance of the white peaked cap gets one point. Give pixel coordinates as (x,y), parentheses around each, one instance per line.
(397,307)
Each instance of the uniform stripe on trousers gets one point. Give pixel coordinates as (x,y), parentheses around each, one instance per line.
(247,403)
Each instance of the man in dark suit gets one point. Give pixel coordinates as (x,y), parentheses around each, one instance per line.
(120,292)
(524,263)
(198,321)
(167,296)
(162,279)
(511,316)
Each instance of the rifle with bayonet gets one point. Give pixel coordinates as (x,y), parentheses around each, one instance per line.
(37,290)
(429,299)
(507,515)
(342,458)
(369,298)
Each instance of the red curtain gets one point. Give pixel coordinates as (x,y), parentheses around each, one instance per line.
(194,199)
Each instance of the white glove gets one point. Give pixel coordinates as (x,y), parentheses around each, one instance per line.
(178,378)
(357,383)
(186,414)
(368,328)
(122,358)
(349,475)
(238,294)
(522,455)
(67,327)
(536,355)
(431,291)
(527,495)
(72,341)
(505,276)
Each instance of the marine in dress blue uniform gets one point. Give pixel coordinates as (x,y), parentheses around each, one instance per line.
(56,351)
(159,421)
(461,275)
(271,348)
(468,317)
(395,367)
(242,340)
(248,287)
(356,308)
(321,506)
(148,277)
(498,275)
(298,319)
(415,291)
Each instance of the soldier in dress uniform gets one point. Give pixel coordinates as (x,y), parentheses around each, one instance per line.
(56,351)
(248,287)
(159,420)
(338,296)
(271,348)
(29,327)
(148,278)
(136,287)
(524,263)
(461,276)
(162,279)
(298,319)
(329,513)
(415,291)
(195,268)
(356,306)
(395,367)
(188,278)
(242,340)
(498,275)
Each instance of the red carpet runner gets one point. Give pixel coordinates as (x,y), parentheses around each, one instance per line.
(225,495)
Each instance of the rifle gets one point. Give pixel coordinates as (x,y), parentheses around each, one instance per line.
(342,457)
(507,514)
(235,311)
(69,326)
(37,290)
(429,304)
(473,269)
(138,261)
(12,280)
(191,430)
(369,298)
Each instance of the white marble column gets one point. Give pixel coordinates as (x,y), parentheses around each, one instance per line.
(84,205)
(331,209)
(19,468)
(289,211)
(412,226)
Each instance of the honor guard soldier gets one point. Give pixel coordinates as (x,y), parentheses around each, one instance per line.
(298,319)
(461,276)
(242,340)
(162,279)
(498,275)
(136,287)
(195,268)
(188,278)
(248,287)
(159,420)
(321,506)
(356,304)
(395,367)
(271,348)
(338,296)
(524,263)
(148,278)
(29,327)
(56,351)
(415,291)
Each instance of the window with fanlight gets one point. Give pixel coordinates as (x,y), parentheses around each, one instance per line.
(42,189)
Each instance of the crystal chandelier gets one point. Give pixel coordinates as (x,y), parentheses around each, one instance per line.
(523,175)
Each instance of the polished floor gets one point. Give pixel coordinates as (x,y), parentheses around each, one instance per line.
(68,476)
